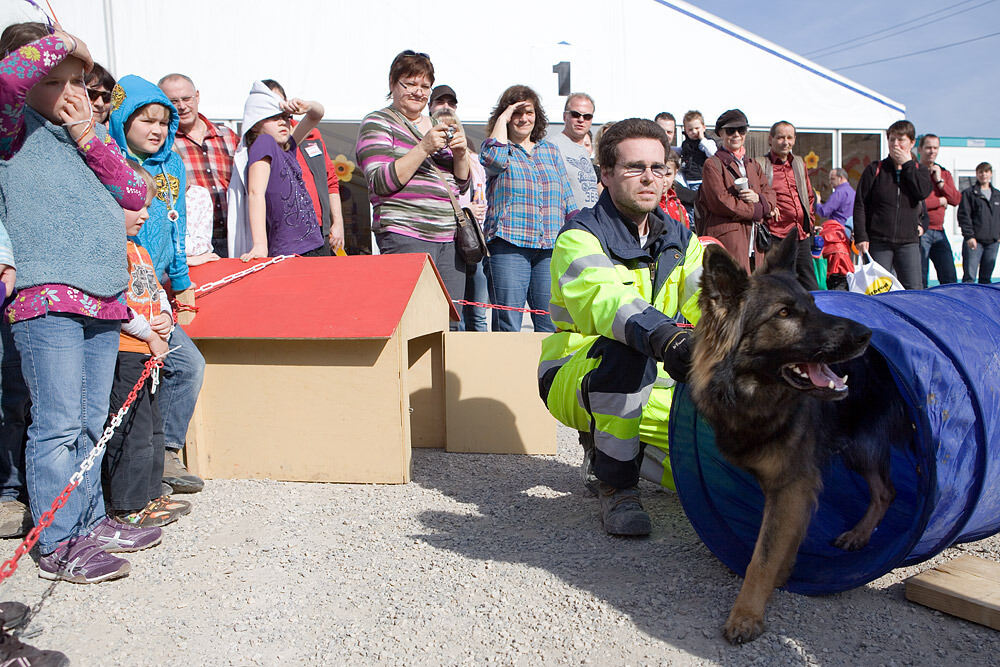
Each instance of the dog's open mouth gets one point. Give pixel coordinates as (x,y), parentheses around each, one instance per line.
(815,377)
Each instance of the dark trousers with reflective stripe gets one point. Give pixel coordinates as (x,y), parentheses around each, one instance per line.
(613,392)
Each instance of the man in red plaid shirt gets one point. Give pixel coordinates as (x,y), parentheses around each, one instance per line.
(206,148)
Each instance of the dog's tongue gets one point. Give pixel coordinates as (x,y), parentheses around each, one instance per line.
(822,376)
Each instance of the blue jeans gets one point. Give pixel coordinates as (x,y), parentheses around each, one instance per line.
(68,362)
(934,247)
(14,406)
(474,317)
(980,261)
(180,383)
(517,274)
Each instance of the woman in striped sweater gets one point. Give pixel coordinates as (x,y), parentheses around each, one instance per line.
(411,162)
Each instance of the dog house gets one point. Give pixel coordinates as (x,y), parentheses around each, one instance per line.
(320,369)
(943,349)
(332,368)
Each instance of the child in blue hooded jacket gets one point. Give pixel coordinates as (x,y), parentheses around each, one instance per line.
(144,123)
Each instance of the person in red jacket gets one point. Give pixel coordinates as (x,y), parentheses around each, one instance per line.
(934,246)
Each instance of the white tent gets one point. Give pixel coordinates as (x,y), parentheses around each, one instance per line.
(635,57)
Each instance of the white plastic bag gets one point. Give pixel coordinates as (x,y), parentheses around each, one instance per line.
(872,278)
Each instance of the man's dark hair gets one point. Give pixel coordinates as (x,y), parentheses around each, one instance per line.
(903,127)
(630,128)
(100,77)
(984,166)
(17,35)
(774,128)
(275,87)
(665,115)
(520,93)
(927,136)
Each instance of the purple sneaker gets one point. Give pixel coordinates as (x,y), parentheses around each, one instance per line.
(81,560)
(115,537)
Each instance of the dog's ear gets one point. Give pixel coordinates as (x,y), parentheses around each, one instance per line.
(783,256)
(723,281)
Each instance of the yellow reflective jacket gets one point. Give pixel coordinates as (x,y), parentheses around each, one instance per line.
(605,284)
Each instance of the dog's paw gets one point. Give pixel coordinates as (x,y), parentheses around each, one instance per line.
(743,628)
(852,540)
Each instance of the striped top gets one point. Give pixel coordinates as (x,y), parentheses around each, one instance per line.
(530,196)
(419,208)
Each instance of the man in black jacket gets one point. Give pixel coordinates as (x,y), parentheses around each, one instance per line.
(887,207)
(979,218)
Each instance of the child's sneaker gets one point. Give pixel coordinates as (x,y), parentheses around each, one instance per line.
(16,654)
(143,518)
(165,504)
(116,537)
(82,560)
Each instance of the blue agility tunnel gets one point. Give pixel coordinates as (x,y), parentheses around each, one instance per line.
(942,347)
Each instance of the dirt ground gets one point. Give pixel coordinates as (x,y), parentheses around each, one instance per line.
(480,560)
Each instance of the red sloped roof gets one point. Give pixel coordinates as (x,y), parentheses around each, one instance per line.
(308,297)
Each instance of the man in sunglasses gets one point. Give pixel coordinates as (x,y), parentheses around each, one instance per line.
(624,275)
(578,116)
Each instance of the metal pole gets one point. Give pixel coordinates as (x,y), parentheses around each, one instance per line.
(109,37)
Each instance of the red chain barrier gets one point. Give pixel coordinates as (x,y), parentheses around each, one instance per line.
(10,566)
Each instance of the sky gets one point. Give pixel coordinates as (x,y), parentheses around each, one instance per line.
(950,92)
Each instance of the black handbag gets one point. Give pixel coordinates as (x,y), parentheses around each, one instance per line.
(469,238)
(762,238)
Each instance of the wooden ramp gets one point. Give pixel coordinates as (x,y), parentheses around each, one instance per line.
(967,587)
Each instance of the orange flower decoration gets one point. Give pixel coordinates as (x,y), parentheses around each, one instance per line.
(344,168)
(811,160)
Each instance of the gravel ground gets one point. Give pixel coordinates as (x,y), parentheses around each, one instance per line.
(481,559)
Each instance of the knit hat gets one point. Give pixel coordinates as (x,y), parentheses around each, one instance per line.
(731,118)
(261,103)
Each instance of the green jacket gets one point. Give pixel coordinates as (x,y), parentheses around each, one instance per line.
(605,284)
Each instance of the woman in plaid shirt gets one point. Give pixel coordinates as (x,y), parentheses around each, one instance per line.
(530,198)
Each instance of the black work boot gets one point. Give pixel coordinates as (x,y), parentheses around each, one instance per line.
(622,512)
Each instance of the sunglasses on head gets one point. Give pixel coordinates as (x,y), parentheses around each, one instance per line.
(408,52)
(577,114)
(103,95)
(742,129)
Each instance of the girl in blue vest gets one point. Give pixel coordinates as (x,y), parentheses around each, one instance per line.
(65,227)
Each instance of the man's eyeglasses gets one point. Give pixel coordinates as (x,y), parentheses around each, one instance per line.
(181,100)
(733,130)
(634,169)
(103,95)
(577,114)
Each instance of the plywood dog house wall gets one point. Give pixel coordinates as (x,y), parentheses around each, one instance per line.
(310,366)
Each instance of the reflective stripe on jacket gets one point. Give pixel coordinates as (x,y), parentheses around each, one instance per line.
(605,284)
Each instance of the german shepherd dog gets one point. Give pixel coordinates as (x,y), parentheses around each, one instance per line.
(761,376)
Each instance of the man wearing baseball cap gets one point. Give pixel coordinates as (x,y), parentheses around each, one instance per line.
(442,96)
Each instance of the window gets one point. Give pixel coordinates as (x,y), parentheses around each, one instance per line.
(857,152)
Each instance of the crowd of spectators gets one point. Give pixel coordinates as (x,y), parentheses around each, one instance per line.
(87,305)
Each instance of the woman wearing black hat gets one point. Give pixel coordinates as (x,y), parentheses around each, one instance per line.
(734,191)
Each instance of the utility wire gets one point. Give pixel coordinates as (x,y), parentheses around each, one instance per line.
(881,30)
(937,19)
(918,53)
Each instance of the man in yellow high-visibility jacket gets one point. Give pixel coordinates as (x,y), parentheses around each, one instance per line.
(622,274)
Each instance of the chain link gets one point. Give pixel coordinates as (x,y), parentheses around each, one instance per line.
(216,284)
(10,566)
(495,306)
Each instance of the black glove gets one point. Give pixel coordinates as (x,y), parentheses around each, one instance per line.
(677,356)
